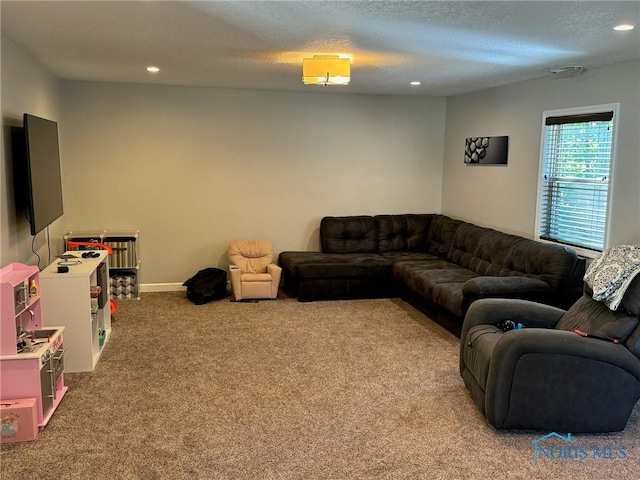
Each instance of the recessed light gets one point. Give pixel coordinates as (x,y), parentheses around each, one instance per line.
(415,83)
(153,69)
(625,27)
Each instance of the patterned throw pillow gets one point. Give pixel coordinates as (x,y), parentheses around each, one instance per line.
(611,273)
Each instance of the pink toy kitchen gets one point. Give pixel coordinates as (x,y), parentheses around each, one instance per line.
(31,357)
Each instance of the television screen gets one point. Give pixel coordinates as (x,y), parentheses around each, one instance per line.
(43,171)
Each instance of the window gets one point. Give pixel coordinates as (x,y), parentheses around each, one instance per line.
(575,177)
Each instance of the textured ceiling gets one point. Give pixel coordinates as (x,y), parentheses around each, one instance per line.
(450,46)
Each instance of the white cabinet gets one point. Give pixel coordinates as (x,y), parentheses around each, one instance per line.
(124,263)
(79,301)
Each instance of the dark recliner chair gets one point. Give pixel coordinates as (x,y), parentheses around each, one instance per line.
(545,376)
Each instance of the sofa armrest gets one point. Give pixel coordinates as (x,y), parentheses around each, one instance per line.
(542,341)
(236,287)
(276,272)
(558,371)
(493,310)
(273,269)
(503,286)
(490,311)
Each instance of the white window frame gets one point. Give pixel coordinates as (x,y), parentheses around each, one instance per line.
(609,107)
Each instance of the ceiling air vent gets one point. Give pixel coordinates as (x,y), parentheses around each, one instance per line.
(566,71)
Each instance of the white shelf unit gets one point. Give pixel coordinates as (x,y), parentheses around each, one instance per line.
(124,263)
(67,301)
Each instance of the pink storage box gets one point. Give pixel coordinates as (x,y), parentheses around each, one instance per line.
(18,420)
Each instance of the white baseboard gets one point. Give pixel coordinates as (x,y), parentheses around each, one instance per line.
(168,287)
(161,287)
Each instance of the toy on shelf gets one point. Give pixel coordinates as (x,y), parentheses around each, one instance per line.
(73,244)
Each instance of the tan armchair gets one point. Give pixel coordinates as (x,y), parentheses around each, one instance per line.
(253,273)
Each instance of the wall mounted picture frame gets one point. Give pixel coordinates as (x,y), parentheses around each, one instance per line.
(486,150)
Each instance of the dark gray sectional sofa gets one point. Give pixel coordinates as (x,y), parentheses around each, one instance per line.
(439,264)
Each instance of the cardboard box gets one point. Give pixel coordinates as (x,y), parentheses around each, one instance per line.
(18,420)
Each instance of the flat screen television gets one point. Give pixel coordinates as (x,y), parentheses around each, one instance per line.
(43,177)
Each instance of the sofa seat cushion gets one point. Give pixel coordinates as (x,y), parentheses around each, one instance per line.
(289,260)
(304,265)
(437,280)
(396,257)
(255,277)
(431,278)
(450,296)
(422,276)
(443,286)
(406,267)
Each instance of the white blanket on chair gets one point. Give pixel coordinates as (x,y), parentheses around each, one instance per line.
(611,272)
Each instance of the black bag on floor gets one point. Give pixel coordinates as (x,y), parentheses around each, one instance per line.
(207,285)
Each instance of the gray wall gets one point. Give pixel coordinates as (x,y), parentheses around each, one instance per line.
(504,197)
(26,87)
(194,168)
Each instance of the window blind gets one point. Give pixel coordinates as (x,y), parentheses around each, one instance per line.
(575,183)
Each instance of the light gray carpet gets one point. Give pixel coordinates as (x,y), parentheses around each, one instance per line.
(364,389)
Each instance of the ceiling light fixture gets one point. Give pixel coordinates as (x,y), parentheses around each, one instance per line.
(625,27)
(153,69)
(326,70)
(415,83)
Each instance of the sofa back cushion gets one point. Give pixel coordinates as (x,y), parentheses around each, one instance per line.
(630,306)
(252,256)
(553,264)
(490,252)
(442,230)
(595,318)
(631,300)
(482,250)
(352,234)
(403,233)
